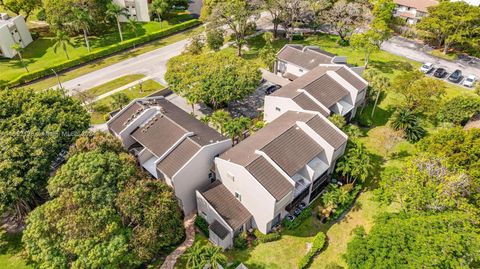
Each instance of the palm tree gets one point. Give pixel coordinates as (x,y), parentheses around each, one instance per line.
(114,11)
(82,20)
(119,100)
(61,41)
(19,49)
(195,257)
(160,7)
(132,24)
(214,256)
(380,84)
(219,118)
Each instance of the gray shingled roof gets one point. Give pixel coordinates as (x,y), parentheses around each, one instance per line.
(292,150)
(304,57)
(327,132)
(119,123)
(229,208)
(178,157)
(351,78)
(305,102)
(326,90)
(220,230)
(272,180)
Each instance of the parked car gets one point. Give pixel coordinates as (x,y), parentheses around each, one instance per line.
(297,211)
(469,81)
(456,76)
(302,205)
(290,217)
(440,73)
(271,89)
(426,67)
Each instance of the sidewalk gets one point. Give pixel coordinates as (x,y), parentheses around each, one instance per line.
(171,259)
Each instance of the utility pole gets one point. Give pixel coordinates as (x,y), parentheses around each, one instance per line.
(58,79)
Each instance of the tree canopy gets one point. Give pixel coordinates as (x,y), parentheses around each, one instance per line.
(444,240)
(19,6)
(104,213)
(36,127)
(214,79)
(459,109)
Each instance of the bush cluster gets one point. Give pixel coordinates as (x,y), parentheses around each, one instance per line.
(101,53)
(289,225)
(240,242)
(265,238)
(317,245)
(202,224)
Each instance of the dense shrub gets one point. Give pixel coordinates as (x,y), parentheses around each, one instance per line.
(306,213)
(265,238)
(202,224)
(101,53)
(240,242)
(459,109)
(339,198)
(317,245)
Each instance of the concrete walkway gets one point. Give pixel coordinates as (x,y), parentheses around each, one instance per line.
(171,259)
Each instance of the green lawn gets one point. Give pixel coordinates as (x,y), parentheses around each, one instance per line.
(40,53)
(10,255)
(114,84)
(148,87)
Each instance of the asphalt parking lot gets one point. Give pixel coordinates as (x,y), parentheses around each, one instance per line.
(449,72)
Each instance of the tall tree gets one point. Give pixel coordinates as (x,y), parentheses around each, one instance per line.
(446,240)
(216,79)
(236,127)
(291,12)
(62,40)
(451,23)
(19,49)
(18,6)
(268,53)
(161,7)
(273,7)
(237,16)
(119,100)
(81,22)
(345,16)
(36,127)
(114,12)
(356,163)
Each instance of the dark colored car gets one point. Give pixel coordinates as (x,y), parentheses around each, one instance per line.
(297,212)
(271,89)
(302,205)
(440,73)
(456,76)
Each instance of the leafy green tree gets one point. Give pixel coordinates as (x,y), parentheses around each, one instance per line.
(36,127)
(459,109)
(426,184)
(215,39)
(451,23)
(196,44)
(19,49)
(161,7)
(291,14)
(338,120)
(18,6)
(371,40)
(268,53)
(345,16)
(405,120)
(101,141)
(216,79)
(114,12)
(195,257)
(236,16)
(119,100)
(219,118)
(82,21)
(274,8)
(421,94)
(151,209)
(62,40)
(446,240)
(236,127)
(355,163)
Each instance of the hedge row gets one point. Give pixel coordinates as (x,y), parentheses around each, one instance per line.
(102,53)
(265,238)
(202,224)
(317,245)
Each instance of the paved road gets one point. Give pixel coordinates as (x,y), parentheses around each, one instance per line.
(153,64)
(195,7)
(414,51)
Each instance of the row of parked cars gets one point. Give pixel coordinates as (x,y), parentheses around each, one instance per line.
(297,211)
(455,77)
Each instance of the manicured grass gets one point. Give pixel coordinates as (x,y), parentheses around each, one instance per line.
(40,54)
(99,64)
(114,84)
(148,87)
(10,255)
(448,56)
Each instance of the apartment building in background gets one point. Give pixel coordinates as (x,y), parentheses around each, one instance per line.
(413,10)
(320,82)
(136,9)
(13,30)
(170,144)
(266,176)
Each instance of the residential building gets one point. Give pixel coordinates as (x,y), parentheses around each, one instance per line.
(266,176)
(13,31)
(170,144)
(321,82)
(136,9)
(413,10)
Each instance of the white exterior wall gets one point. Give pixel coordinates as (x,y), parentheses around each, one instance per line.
(295,70)
(194,174)
(23,31)
(206,211)
(9,38)
(140,10)
(273,102)
(256,199)
(6,42)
